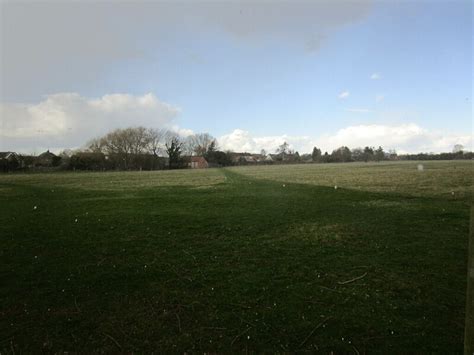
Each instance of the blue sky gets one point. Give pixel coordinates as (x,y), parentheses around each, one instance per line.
(253,89)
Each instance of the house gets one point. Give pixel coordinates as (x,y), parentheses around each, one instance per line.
(235,157)
(247,159)
(197,163)
(259,158)
(269,158)
(285,157)
(8,156)
(244,158)
(9,161)
(47,159)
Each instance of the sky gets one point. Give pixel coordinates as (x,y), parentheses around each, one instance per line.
(254,74)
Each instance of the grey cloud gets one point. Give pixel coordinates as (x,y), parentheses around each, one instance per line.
(49,47)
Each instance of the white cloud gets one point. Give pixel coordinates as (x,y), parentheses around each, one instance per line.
(183,132)
(408,137)
(405,138)
(68,119)
(358,110)
(379,98)
(243,141)
(375,76)
(344,95)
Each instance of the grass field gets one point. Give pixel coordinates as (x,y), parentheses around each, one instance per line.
(240,259)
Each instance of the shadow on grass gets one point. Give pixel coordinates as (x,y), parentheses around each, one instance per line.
(242,265)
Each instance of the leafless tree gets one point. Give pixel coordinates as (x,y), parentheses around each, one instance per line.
(96,145)
(138,139)
(201,143)
(156,139)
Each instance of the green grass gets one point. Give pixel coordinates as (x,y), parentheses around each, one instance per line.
(438,178)
(236,259)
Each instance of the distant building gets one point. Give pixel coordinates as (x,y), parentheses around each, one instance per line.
(47,159)
(8,156)
(247,159)
(259,158)
(9,161)
(197,162)
(235,157)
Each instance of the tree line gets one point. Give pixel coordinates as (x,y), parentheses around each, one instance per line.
(150,149)
(140,148)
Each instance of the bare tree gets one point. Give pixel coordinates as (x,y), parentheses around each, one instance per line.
(201,143)
(96,145)
(125,144)
(156,139)
(138,139)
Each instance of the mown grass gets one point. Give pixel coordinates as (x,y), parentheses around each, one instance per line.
(218,261)
(437,178)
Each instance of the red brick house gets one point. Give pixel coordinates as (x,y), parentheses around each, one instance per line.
(197,163)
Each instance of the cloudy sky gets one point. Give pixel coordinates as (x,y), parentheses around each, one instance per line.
(251,73)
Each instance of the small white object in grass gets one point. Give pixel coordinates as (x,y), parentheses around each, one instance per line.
(34,207)
(75,220)
(420,167)
(36,256)
(335,187)
(283,185)
(248,336)
(452,193)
